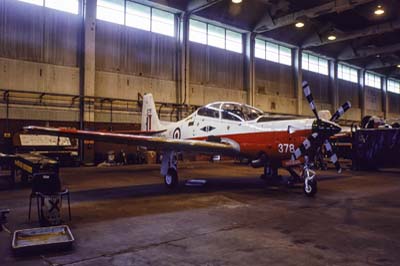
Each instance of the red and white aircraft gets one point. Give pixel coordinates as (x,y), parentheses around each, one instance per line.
(228,128)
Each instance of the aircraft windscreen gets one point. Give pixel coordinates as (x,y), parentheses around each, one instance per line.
(244,112)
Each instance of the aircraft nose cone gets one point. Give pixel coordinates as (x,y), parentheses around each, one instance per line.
(326,127)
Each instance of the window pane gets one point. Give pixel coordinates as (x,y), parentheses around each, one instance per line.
(229,116)
(369,80)
(393,86)
(163,22)
(111,10)
(138,16)
(35,2)
(322,66)
(216,36)
(353,75)
(198,31)
(347,73)
(373,80)
(377,82)
(272,52)
(313,63)
(304,61)
(234,41)
(340,71)
(70,6)
(285,56)
(390,86)
(260,49)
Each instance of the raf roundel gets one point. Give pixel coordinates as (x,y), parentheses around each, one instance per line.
(177,133)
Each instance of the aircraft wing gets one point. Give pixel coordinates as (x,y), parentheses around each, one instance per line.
(151,142)
(136,132)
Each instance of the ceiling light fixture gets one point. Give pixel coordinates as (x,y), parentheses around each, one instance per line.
(331,37)
(236,1)
(379,11)
(299,24)
(398,65)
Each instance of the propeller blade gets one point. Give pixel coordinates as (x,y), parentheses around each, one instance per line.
(310,99)
(302,149)
(332,156)
(342,109)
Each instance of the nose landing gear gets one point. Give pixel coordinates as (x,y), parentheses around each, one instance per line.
(306,176)
(310,182)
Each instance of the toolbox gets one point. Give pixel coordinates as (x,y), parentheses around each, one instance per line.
(29,164)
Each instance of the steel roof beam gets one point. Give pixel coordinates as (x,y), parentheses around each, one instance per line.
(369,31)
(267,23)
(351,53)
(198,5)
(377,64)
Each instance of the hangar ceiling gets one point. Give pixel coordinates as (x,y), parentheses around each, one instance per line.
(363,39)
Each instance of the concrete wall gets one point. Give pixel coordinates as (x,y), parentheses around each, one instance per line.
(200,94)
(41,77)
(126,50)
(394,104)
(349,91)
(274,85)
(215,74)
(38,34)
(321,91)
(373,103)
(274,79)
(39,53)
(319,85)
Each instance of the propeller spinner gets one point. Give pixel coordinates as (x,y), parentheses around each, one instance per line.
(322,130)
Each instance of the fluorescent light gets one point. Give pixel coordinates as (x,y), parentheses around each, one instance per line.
(331,37)
(236,1)
(299,24)
(379,11)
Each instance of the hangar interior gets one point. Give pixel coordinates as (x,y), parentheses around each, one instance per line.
(61,67)
(87,64)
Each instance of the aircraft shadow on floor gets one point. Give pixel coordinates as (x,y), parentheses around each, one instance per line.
(242,185)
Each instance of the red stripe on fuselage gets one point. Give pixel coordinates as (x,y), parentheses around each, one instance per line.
(254,143)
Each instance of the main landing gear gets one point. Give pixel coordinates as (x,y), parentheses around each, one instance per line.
(169,169)
(270,175)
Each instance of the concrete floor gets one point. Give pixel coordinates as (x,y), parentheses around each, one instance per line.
(125,216)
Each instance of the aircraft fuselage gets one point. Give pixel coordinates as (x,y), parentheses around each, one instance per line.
(277,139)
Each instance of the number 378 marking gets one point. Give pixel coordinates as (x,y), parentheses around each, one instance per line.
(285,148)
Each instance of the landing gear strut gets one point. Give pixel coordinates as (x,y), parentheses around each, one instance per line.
(169,169)
(310,181)
(270,175)
(305,176)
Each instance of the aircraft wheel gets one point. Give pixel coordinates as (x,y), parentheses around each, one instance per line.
(171,179)
(311,188)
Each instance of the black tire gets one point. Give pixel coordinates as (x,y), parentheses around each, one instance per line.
(171,179)
(313,188)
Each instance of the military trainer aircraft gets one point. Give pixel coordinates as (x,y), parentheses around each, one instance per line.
(228,128)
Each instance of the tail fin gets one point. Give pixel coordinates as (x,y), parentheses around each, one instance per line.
(150,120)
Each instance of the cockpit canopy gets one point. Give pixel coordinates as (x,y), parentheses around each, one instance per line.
(230,111)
